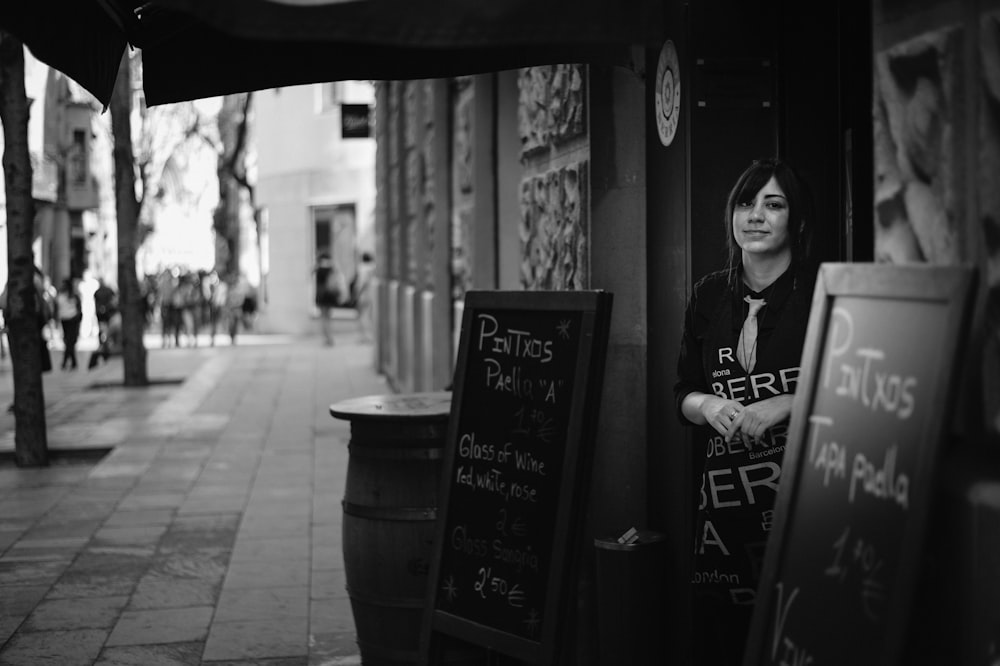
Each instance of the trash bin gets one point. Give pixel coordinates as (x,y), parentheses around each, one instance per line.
(632,599)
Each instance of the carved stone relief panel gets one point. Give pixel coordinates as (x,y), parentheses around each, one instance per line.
(551,106)
(461,253)
(989,146)
(428,221)
(381,177)
(427,105)
(989,205)
(394,190)
(918,197)
(414,208)
(394,199)
(462,186)
(394,223)
(555,247)
(411,117)
(429,211)
(462,157)
(532,108)
(414,196)
(414,181)
(393,122)
(567,104)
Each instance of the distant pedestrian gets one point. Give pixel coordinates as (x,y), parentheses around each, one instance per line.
(249,307)
(112,343)
(69,311)
(48,293)
(235,297)
(187,301)
(166,285)
(217,299)
(105,305)
(330,289)
(43,307)
(148,289)
(43,314)
(86,287)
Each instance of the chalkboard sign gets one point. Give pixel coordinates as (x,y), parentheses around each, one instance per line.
(523,415)
(878,376)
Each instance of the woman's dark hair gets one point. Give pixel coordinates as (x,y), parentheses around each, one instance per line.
(800,208)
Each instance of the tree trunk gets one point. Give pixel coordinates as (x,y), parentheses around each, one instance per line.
(21,310)
(226,222)
(233,121)
(130,300)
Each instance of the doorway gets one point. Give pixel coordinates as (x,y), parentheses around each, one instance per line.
(334,234)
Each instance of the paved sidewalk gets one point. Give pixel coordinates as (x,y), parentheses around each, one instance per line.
(210,534)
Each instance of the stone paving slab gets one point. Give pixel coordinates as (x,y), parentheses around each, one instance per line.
(209,533)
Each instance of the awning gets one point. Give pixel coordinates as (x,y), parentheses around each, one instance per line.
(441,24)
(202,48)
(84,40)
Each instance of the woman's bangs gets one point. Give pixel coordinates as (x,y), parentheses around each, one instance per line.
(752,184)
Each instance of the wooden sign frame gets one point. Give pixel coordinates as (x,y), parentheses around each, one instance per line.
(594,309)
(951,287)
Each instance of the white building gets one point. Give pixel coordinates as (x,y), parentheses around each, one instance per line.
(316,192)
(64,142)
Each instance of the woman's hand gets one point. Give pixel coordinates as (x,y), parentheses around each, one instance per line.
(720,413)
(753,420)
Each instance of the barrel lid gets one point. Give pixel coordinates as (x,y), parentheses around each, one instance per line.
(434,405)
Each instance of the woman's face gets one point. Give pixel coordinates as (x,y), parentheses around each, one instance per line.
(760,224)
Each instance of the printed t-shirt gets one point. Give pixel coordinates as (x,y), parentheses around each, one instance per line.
(739,479)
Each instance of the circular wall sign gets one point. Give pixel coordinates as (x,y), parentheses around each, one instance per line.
(668,93)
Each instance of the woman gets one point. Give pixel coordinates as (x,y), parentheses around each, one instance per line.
(69,309)
(739,361)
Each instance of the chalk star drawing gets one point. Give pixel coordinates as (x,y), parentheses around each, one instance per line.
(546,431)
(563,329)
(533,621)
(450,589)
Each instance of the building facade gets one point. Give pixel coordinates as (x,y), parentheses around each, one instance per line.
(315,194)
(614,178)
(63,137)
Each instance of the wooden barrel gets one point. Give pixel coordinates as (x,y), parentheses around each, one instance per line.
(390,506)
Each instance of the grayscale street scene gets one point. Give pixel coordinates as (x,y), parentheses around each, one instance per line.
(499,333)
